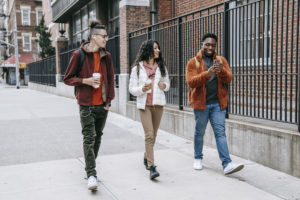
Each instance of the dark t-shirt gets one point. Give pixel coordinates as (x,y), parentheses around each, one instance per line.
(212,84)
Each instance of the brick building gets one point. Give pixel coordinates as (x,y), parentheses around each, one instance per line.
(23,16)
(258,37)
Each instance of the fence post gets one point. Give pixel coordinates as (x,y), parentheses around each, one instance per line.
(149,33)
(180,78)
(226,37)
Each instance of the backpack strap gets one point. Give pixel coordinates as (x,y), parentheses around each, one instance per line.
(79,67)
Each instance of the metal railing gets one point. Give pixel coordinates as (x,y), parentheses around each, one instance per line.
(65,54)
(43,71)
(261,43)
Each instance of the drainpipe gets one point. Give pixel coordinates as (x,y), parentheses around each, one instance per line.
(153,12)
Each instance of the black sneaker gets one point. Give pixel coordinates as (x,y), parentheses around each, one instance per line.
(153,172)
(146,163)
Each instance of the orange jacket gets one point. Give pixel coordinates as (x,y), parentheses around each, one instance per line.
(197,76)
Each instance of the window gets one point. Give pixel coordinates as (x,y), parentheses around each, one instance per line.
(80,22)
(113,25)
(25,13)
(92,10)
(26,39)
(39,14)
(251,32)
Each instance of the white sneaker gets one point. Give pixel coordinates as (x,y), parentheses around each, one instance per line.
(198,164)
(92,183)
(232,168)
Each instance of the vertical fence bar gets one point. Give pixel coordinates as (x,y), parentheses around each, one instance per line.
(291,75)
(258,58)
(180,81)
(271,59)
(281,58)
(263,61)
(298,69)
(250,66)
(149,33)
(267,58)
(241,50)
(243,56)
(234,91)
(226,37)
(286,56)
(276,61)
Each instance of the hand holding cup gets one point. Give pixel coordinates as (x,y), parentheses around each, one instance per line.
(161,83)
(96,80)
(147,86)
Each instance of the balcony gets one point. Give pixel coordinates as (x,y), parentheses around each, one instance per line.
(62,10)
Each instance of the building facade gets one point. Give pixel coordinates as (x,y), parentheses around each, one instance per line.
(22,16)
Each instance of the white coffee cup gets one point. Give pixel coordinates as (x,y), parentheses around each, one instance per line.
(148,81)
(96,75)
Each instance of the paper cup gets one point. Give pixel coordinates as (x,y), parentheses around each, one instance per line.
(148,82)
(96,75)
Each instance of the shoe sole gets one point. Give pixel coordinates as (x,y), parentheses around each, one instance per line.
(93,187)
(154,176)
(198,168)
(235,170)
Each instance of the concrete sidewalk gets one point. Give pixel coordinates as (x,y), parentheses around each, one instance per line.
(41,158)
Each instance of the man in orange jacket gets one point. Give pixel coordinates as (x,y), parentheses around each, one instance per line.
(208,76)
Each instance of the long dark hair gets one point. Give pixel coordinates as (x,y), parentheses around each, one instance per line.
(146,51)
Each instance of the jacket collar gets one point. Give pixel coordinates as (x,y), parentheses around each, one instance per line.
(102,51)
(200,55)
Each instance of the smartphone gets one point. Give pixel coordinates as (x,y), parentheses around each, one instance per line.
(216,61)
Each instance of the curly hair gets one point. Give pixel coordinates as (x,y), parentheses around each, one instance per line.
(210,35)
(146,52)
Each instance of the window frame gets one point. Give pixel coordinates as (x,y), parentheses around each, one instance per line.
(27,8)
(23,42)
(37,10)
(81,32)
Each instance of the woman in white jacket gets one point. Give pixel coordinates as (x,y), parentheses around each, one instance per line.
(149,80)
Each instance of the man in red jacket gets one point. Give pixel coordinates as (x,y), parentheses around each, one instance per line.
(207,76)
(94,92)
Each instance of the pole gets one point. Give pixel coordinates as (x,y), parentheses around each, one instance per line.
(17,54)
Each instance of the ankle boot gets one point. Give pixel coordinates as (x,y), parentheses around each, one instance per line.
(146,163)
(153,172)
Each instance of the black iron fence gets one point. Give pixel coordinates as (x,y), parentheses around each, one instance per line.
(112,46)
(65,54)
(259,39)
(43,71)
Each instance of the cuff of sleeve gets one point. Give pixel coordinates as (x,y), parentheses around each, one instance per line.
(141,89)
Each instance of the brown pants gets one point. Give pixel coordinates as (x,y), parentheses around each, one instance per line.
(150,118)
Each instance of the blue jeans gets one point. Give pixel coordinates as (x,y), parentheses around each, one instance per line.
(216,116)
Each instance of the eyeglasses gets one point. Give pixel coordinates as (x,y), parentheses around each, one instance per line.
(103,36)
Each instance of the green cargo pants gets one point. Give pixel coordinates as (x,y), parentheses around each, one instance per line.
(92,120)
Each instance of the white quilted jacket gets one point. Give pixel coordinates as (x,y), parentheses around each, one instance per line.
(136,84)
